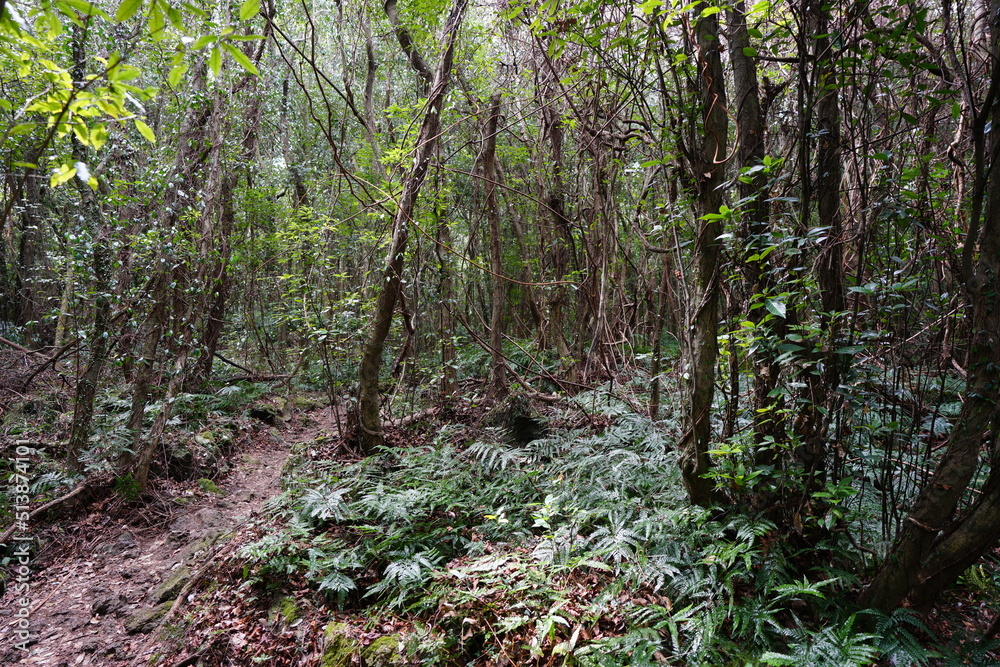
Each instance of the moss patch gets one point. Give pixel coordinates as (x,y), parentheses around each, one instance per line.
(340,646)
(146,620)
(208,486)
(383,652)
(173,584)
(285,609)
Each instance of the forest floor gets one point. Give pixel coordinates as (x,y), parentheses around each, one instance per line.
(103,580)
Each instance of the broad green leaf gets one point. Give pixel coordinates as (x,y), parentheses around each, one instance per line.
(174,78)
(776,307)
(127,10)
(249,9)
(22,128)
(175,17)
(156,23)
(215,60)
(98,136)
(203,41)
(241,58)
(86,8)
(145,131)
(61,175)
(749,52)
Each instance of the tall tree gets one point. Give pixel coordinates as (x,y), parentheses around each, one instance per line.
(369,402)
(702,334)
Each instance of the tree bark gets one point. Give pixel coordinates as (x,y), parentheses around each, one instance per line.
(498,379)
(933,548)
(369,406)
(704,319)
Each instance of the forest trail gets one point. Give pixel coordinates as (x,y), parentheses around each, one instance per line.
(101,587)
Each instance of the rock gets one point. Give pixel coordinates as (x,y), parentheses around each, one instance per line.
(180,462)
(146,619)
(267,413)
(108,603)
(208,486)
(386,651)
(172,585)
(305,403)
(124,542)
(340,646)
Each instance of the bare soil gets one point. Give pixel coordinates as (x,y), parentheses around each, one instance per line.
(98,573)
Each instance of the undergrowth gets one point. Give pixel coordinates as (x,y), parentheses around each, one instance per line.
(579,548)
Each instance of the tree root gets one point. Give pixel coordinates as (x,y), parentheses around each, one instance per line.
(98,486)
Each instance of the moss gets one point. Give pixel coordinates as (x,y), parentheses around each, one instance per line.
(340,646)
(146,620)
(171,587)
(208,486)
(383,652)
(286,609)
(305,403)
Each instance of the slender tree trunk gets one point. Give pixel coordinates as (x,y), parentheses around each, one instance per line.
(812,422)
(369,405)
(702,336)
(498,378)
(86,387)
(446,289)
(91,213)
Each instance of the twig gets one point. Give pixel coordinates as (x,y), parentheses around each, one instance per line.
(21,348)
(38,511)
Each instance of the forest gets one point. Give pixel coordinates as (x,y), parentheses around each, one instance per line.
(513,332)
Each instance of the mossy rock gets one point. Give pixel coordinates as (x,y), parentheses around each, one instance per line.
(266,412)
(385,651)
(180,462)
(340,646)
(306,403)
(172,585)
(286,609)
(208,486)
(146,619)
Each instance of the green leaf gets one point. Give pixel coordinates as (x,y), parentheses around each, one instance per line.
(156,23)
(215,60)
(203,41)
(22,128)
(145,131)
(749,52)
(776,307)
(61,175)
(127,10)
(708,11)
(241,58)
(174,78)
(249,9)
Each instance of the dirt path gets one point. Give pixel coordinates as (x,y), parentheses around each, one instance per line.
(88,604)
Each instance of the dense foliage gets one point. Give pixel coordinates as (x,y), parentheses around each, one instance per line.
(771,233)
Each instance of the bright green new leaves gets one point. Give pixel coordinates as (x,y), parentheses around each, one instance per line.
(249,9)
(145,131)
(127,9)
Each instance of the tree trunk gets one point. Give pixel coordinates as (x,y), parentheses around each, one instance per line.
(933,548)
(702,336)
(498,378)
(369,406)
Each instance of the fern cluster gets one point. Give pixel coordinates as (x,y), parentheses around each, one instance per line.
(581,544)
